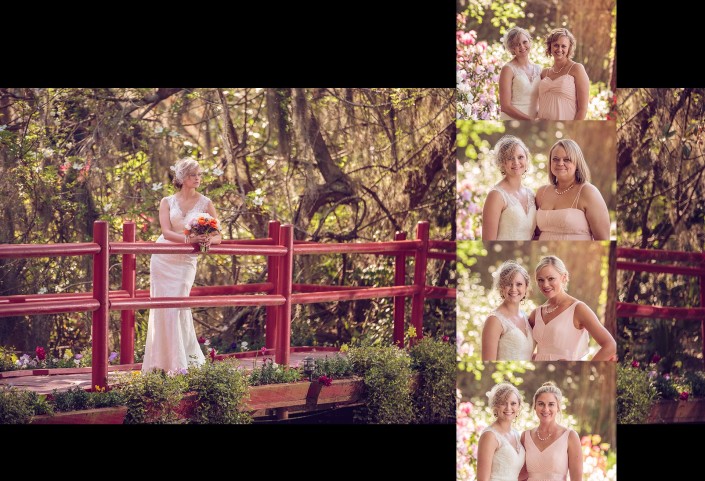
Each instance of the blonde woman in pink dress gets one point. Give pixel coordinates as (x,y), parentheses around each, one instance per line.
(519,79)
(500,454)
(172,344)
(564,88)
(570,207)
(552,450)
(562,326)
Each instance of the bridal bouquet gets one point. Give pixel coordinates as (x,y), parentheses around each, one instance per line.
(202,223)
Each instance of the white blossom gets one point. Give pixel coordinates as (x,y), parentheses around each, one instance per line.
(217,171)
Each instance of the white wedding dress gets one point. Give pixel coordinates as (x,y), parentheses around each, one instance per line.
(171,338)
(514,222)
(525,92)
(507,461)
(514,345)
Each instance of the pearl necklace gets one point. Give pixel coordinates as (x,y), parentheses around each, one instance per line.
(539,435)
(561,193)
(554,71)
(548,310)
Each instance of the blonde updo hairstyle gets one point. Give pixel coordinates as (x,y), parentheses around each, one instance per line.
(557,33)
(505,147)
(504,275)
(182,168)
(551,388)
(557,264)
(511,37)
(571,147)
(499,394)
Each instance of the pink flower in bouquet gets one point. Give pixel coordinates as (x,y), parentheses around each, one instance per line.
(202,223)
(41,354)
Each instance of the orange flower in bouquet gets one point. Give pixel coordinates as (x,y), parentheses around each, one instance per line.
(202,223)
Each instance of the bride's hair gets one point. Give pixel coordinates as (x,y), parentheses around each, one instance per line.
(499,394)
(557,264)
(571,147)
(182,168)
(551,388)
(557,33)
(505,147)
(504,275)
(509,38)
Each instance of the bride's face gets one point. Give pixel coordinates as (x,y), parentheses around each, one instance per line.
(193,179)
(515,291)
(515,163)
(522,46)
(550,281)
(546,407)
(508,409)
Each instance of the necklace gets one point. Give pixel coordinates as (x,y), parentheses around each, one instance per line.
(547,309)
(539,435)
(554,71)
(561,193)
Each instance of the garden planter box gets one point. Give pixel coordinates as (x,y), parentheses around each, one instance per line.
(667,411)
(110,415)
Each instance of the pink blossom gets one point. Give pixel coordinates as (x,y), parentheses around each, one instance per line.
(683,396)
(467,38)
(655,358)
(41,354)
(635,363)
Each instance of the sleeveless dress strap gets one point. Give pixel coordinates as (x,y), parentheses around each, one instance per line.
(577,197)
(571,67)
(504,195)
(503,320)
(543,191)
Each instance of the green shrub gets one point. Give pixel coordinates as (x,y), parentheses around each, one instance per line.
(696,380)
(386,372)
(336,367)
(17,406)
(434,397)
(665,388)
(635,395)
(271,373)
(220,390)
(152,397)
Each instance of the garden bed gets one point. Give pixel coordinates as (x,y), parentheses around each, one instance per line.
(671,411)
(108,415)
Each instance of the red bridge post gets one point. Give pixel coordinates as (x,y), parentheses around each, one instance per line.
(422,229)
(273,262)
(99,373)
(399,301)
(127,317)
(286,273)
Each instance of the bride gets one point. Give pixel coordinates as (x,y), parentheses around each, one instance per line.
(506,335)
(171,338)
(519,79)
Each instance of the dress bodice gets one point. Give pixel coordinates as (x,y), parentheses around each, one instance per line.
(514,345)
(525,91)
(564,224)
(551,464)
(514,222)
(178,218)
(559,339)
(558,99)
(507,460)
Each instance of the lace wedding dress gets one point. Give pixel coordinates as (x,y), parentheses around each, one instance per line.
(171,338)
(514,345)
(507,460)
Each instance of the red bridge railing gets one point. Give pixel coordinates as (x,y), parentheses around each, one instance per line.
(277,294)
(647,261)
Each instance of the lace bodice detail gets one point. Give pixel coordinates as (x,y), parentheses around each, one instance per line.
(514,222)
(178,218)
(525,91)
(514,345)
(507,461)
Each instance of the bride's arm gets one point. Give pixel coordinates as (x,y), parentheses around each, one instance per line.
(217,238)
(165,223)
(491,332)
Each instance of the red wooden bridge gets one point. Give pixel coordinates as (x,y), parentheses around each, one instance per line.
(648,262)
(278,294)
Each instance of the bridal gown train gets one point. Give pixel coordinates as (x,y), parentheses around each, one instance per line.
(507,460)
(171,338)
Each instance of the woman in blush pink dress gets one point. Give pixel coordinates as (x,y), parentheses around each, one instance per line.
(552,450)
(570,207)
(563,325)
(564,88)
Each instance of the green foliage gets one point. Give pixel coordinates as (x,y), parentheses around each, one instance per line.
(635,395)
(77,399)
(696,380)
(152,397)
(336,367)
(386,371)
(434,397)
(7,358)
(272,373)
(665,388)
(17,406)
(220,390)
